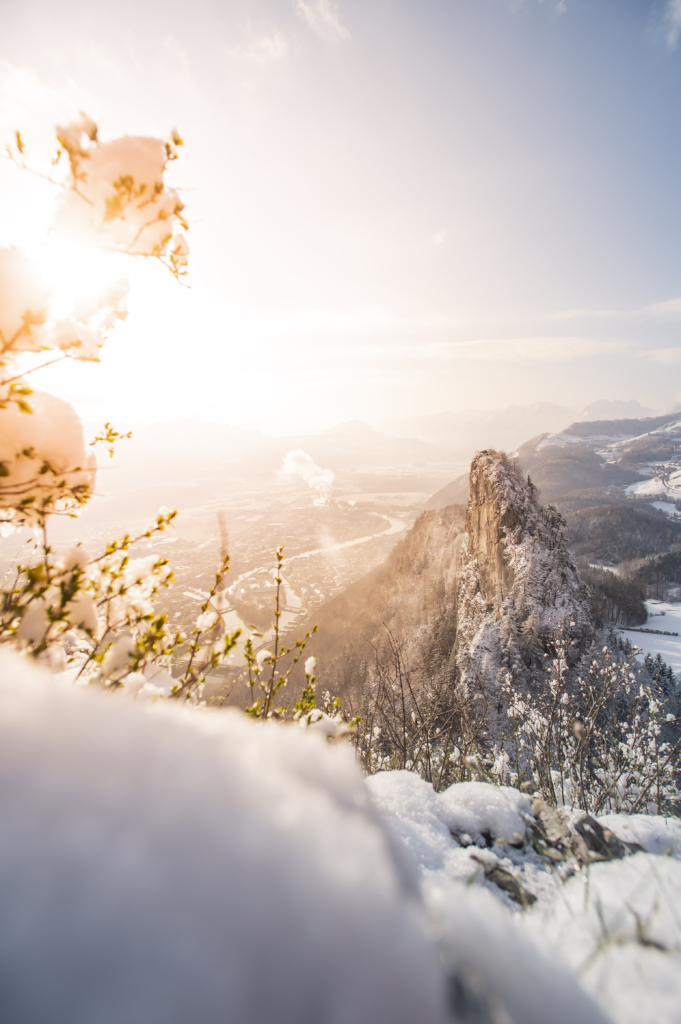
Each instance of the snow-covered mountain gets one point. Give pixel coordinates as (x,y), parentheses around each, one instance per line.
(470,430)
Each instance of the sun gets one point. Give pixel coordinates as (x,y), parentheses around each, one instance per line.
(75,273)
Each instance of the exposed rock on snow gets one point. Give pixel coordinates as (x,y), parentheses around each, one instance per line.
(517,579)
(615,924)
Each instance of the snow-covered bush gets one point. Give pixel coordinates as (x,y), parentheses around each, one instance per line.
(605,741)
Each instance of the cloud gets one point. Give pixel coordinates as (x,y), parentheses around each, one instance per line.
(440,237)
(527,350)
(298,464)
(262,50)
(664,356)
(323,18)
(670,310)
(672,20)
(558,6)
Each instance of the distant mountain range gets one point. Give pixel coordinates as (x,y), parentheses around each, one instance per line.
(470,430)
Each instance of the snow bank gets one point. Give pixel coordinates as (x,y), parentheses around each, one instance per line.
(619,928)
(613,928)
(651,831)
(166,866)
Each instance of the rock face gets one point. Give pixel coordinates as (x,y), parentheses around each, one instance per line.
(517,581)
(468,598)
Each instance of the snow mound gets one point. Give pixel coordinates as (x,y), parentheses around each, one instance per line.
(619,928)
(162,866)
(651,831)
(411,809)
(477,813)
(485,813)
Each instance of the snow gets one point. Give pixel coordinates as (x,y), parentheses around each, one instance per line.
(656,834)
(666,507)
(22,291)
(51,436)
(159,866)
(619,928)
(103,210)
(480,810)
(580,931)
(655,485)
(669,647)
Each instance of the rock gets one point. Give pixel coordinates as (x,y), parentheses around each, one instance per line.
(517,580)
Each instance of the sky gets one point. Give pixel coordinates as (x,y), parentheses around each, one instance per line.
(397,207)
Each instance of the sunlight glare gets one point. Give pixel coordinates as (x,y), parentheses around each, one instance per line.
(75,272)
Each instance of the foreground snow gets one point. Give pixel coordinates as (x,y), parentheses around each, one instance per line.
(160,866)
(615,924)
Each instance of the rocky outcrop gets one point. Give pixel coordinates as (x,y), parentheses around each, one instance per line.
(517,582)
(465,597)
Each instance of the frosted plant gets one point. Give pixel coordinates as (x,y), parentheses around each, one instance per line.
(93,616)
(605,741)
(268,671)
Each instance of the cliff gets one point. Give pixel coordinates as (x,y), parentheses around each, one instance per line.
(517,581)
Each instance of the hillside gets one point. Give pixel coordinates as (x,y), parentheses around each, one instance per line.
(412,592)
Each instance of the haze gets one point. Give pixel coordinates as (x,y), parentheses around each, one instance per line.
(398,208)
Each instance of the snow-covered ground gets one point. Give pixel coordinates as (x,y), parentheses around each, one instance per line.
(669,647)
(616,925)
(160,865)
(668,509)
(670,485)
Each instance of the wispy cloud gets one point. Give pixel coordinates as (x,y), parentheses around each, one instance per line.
(493,350)
(261,49)
(558,6)
(670,310)
(323,18)
(530,350)
(672,20)
(664,356)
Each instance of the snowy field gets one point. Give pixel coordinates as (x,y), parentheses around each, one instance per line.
(669,647)
(160,865)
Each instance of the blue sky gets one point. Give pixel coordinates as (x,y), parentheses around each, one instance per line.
(398,205)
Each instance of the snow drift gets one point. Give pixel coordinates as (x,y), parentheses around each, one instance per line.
(162,866)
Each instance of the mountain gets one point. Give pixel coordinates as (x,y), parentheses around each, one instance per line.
(591,460)
(463,598)
(517,582)
(463,433)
